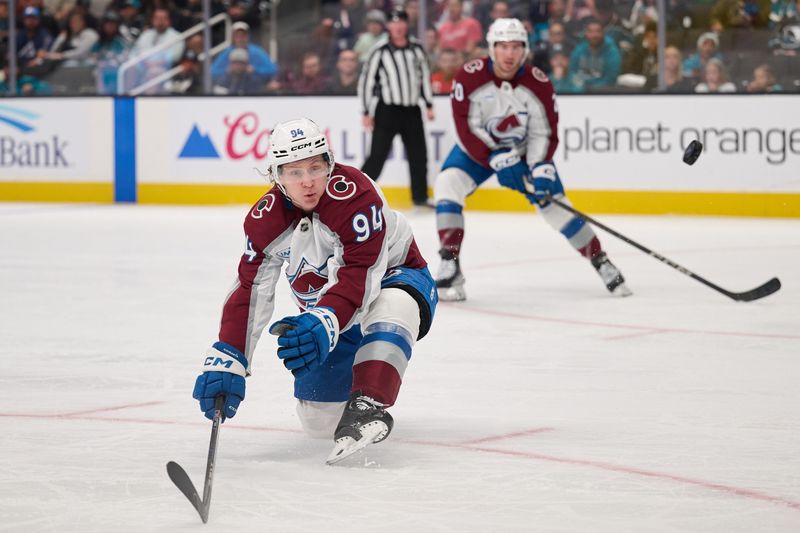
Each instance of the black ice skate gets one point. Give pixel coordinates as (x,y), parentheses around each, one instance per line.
(363,422)
(610,275)
(449,279)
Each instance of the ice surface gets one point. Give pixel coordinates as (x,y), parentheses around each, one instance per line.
(539,404)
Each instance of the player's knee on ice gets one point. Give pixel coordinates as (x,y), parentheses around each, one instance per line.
(319,419)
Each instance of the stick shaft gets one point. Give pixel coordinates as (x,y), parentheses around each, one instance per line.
(212,456)
(759,292)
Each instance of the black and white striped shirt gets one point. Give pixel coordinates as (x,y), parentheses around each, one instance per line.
(395,76)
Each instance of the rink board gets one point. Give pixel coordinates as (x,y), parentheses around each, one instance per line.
(618,154)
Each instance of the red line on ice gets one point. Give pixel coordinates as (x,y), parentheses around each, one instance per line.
(507,436)
(649,329)
(79,414)
(730,489)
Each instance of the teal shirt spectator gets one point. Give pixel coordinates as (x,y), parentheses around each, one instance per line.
(108,56)
(564,85)
(781,12)
(27,85)
(596,67)
(262,64)
(693,65)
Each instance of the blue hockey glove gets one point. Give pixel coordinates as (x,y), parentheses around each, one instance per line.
(510,169)
(545,181)
(224,371)
(306,340)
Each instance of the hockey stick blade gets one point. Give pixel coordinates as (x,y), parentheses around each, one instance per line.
(181,479)
(761,291)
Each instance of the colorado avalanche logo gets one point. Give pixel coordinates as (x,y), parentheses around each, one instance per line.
(340,188)
(307,281)
(506,130)
(539,75)
(265,204)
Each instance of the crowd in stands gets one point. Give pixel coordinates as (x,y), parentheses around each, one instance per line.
(713,46)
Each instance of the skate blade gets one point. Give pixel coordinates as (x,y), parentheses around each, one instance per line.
(622,291)
(347,446)
(452,294)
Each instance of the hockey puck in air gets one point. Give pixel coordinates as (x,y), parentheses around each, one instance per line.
(692,152)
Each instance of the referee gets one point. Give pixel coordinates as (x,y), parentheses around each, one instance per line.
(392,81)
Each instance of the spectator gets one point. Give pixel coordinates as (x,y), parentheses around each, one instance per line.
(556,41)
(60,10)
(345,19)
(33,42)
(643,59)
(244,11)
(109,52)
(783,12)
(595,62)
(559,73)
(73,46)
(673,72)
(189,13)
(154,64)
(498,9)
(459,32)
(346,79)
(47,20)
(559,39)
(715,79)
(311,80)
(579,10)
(376,29)
(132,21)
(190,78)
(160,32)
(764,81)
(741,13)
(449,63)
(707,46)
(260,63)
(613,25)
(432,45)
(556,11)
(239,79)
(412,10)
(487,11)
(642,12)
(26,85)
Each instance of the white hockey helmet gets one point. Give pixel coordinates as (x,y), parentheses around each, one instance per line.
(507,30)
(295,140)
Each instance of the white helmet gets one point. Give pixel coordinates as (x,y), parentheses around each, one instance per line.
(295,140)
(507,30)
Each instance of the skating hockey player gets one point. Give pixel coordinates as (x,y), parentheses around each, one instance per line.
(506,122)
(363,288)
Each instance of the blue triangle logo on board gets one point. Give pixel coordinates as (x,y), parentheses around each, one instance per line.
(198,145)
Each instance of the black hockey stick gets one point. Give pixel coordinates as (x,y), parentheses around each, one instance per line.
(747,296)
(181,479)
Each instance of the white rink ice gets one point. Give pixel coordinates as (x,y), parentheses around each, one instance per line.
(540,404)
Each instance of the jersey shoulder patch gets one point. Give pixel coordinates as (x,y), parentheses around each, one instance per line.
(474,66)
(539,75)
(268,218)
(264,205)
(473,74)
(340,187)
